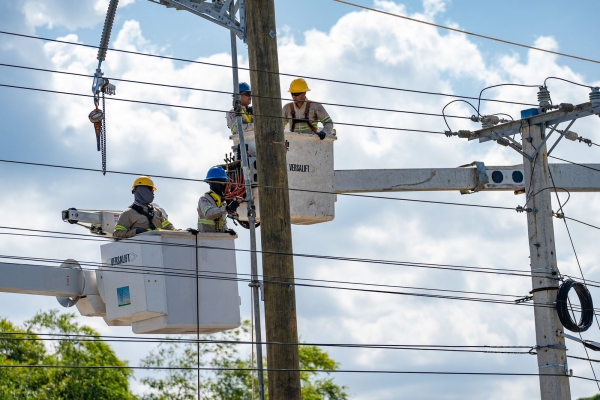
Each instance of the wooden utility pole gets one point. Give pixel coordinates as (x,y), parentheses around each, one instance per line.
(274,203)
(552,353)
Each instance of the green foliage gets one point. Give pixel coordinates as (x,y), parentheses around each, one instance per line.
(596,397)
(59,383)
(237,383)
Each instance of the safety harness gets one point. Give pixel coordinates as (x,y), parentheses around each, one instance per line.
(149,214)
(218,223)
(299,120)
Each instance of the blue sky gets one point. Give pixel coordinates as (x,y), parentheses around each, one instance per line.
(322,39)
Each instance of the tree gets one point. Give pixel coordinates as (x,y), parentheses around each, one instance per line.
(596,397)
(235,381)
(26,348)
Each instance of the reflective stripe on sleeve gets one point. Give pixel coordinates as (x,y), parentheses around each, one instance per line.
(326,120)
(166,223)
(120,228)
(204,221)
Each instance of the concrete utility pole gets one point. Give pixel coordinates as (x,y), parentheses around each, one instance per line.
(552,353)
(274,203)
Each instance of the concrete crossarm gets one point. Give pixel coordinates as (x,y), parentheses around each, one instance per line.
(566,176)
(47,280)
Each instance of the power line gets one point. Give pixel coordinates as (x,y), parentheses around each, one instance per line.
(270,72)
(328,371)
(560,207)
(304,255)
(469,33)
(574,163)
(208,109)
(491,349)
(169,271)
(224,92)
(258,185)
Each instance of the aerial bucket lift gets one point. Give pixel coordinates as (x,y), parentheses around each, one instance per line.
(160,281)
(310,176)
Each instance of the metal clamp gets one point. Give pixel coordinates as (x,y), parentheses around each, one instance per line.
(482,177)
(260,286)
(565,366)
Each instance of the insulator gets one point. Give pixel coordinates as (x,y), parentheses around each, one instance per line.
(464,134)
(571,135)
(595,97)
(566,107)
(489,120)
(543,96)
(502,142)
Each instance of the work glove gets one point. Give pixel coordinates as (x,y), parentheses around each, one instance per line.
(322,135)
(231,232)
(192,231)
(140,230)
(232,206)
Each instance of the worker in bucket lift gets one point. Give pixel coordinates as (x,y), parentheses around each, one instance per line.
(303,115)
(247,120)
(143,215)
(212,208)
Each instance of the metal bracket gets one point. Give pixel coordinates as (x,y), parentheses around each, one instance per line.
(260,286)
(587,343)
(562,135)
(565,366)
(217,12)
(482,177)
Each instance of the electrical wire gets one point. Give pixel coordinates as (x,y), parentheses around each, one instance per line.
(255,70)
(169,271)
(501,84)
(209,109)
(454,101)
(224,92)
(259,186)
(566,80)
(303,255)
(48,337)
(469,33)
(582,292)
(328,371)
(574,163)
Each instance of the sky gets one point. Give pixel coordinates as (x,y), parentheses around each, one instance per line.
(324,39)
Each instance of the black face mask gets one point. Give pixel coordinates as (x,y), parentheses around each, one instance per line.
(218,187)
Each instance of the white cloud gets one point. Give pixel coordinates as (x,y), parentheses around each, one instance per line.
(361,47)
(69,14)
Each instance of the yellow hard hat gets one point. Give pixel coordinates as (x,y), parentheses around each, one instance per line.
(143,181)
(298,86)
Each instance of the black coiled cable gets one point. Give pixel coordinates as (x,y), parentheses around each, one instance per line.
(587,306)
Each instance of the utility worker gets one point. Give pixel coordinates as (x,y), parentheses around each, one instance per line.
(143,215)
(212,208)
(303,115)
(246,100)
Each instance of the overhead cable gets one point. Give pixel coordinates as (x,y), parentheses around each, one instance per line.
(469,33)
(225,92)
(491,349)
(209,109)
(328,371)
(258,185)
(270,72)
(170,271)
